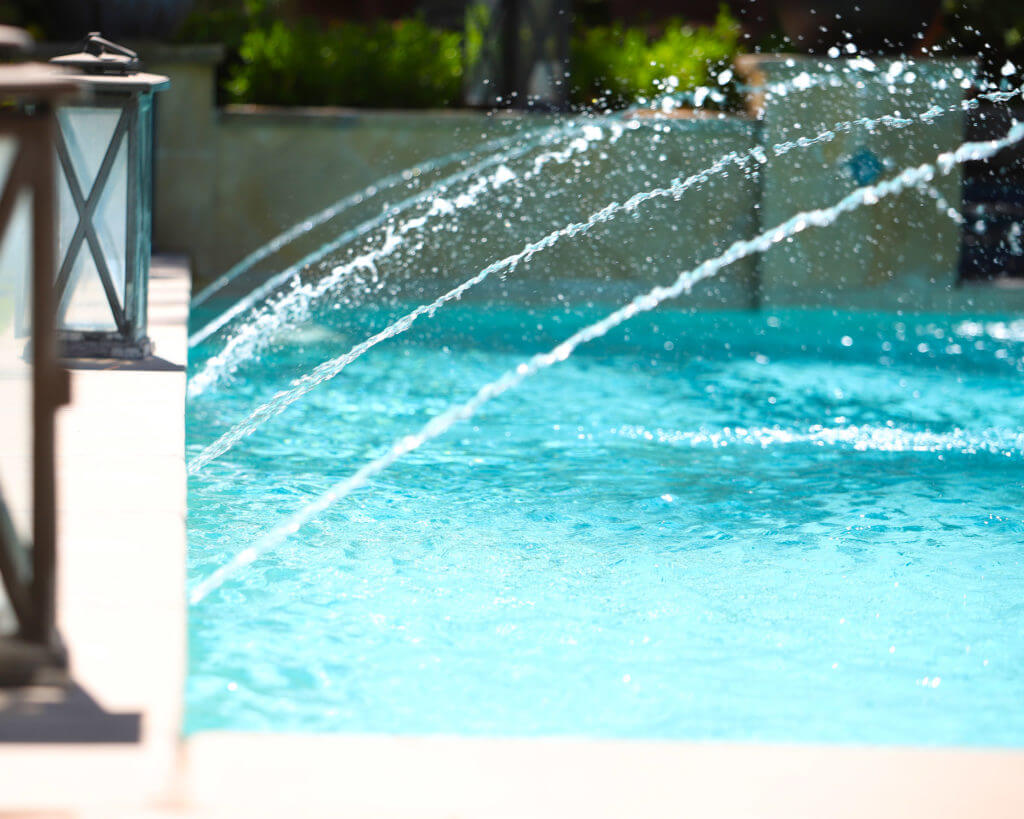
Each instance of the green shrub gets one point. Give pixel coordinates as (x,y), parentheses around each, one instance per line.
(615,65)
(276,59)
(382,64)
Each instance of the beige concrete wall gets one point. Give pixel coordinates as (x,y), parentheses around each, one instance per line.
(276,167)
(185,157)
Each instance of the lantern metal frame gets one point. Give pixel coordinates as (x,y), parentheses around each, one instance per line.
(116,86)
(31,93)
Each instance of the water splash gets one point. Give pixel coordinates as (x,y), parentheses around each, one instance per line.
(295,305)
(386,183)
(694,98)
(332,367)
(437,190)
(684,283)
(776,89)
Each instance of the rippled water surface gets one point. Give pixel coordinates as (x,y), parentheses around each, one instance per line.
(784,526)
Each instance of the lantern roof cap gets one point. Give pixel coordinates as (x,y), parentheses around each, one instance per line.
(100,56)
(106,65)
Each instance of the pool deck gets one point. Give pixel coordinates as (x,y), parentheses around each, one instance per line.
(122,610)
(121,573)
(460,777)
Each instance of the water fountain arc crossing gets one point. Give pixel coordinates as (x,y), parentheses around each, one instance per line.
(864,196)
(260,324)
(550,136)
(332,367)
(297,230)
(335,209)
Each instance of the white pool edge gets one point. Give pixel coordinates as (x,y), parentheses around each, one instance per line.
(273,775)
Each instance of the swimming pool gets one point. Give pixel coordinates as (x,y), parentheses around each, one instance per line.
(793,525)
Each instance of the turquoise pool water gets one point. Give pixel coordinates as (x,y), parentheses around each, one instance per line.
(780,526)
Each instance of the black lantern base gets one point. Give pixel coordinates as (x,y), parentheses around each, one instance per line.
(82,345)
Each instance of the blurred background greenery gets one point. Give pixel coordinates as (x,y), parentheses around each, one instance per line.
(413,53)
(279,57)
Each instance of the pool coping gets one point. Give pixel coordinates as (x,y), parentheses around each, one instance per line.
(381,776)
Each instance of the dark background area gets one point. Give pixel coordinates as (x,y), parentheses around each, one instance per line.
(988,27)
(290,33)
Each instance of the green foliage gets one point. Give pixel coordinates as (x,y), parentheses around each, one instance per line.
(381,64)
(477,23)
(276,59)
(35,16)
(616,65)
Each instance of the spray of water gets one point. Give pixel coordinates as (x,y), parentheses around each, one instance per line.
(332,367)
(437,426)
(439,189)
(296,304)
(274,319)
(669,102)
(404,177)
(665,103)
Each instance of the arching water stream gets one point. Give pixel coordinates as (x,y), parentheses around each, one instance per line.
(786,524)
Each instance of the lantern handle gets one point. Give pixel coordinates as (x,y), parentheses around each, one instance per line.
(97,45)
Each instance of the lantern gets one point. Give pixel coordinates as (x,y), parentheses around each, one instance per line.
(104,148)
(31,383)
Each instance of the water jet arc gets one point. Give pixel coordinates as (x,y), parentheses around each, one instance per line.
(822,217)
(332,367)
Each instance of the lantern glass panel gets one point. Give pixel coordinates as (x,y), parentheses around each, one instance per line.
(8,625)
(8,148)
(103,196)
(86,307)
(111,220)
(15,383)
(67,217)
(87,132)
